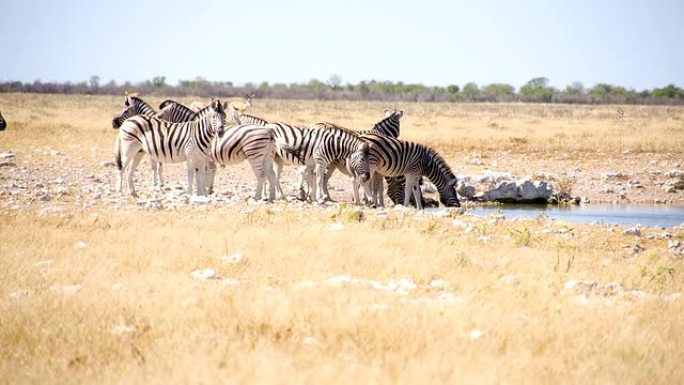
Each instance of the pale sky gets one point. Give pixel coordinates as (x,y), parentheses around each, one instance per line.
(637,44)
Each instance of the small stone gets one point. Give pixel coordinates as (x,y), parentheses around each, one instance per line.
(203,274)
(81,245)
(106,163)
(633,231)
(235,259)
(475,334)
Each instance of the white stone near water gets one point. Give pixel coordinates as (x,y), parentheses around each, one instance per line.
(522,190)
(635,231)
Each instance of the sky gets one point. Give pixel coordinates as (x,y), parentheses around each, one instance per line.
(635,44)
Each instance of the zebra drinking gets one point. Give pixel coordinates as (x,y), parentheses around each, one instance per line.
(393,157)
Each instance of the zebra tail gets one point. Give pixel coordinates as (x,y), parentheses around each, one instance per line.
(117,154)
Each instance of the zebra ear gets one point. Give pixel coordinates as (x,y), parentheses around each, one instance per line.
(399,113)
(225,105)
(453,182)
(365,147)
(388,112)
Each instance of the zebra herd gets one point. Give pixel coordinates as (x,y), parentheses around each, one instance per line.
(200,138)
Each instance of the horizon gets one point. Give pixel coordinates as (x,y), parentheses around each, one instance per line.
(631,44)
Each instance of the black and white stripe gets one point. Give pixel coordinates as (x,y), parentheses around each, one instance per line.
(317,148)
(254,143)
(389,126)
(3,123)
(172,111)
(393,157)
(167,142)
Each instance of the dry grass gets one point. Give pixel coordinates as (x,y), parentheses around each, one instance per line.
(139,316)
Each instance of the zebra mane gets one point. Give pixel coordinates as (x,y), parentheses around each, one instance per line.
(168,102)
(139,102)
(437,167)
(333,126)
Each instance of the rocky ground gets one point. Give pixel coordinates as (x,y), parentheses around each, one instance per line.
(54,178)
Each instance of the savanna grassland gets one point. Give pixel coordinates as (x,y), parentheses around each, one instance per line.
(99,288)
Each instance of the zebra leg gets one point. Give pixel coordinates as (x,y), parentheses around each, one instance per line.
(302,173)
(410,189)
(159,174)
(328,174)
(270,176)
(257,167)
(201,178)
(131,170)
(278,163)
(210,175)
(378,186)
(191,176)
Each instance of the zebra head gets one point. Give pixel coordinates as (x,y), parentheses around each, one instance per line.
(359,162)
(3,123)
(218,116)
(132,106)
(448,195)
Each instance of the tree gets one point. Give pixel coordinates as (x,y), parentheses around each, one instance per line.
(471,91)
(575,88)
(335,82)
(94,82)
(537,90)
(669,92)
(159,81)
(452,89)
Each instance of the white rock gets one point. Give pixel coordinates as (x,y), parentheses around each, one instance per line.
(65,289)
(118,286)
(81,245)
(577,285)
(122,329)
(340,280)
(439,284)
(18,294)
(483,239)
(615,174)
(674,173)
(203,274)
(312,341)
(337,226)
(476,334)
(673,244)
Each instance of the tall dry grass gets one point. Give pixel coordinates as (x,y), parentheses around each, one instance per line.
(106,294)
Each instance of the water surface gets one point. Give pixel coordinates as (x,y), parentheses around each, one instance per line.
(628,215)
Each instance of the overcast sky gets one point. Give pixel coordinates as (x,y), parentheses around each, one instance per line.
(636,44)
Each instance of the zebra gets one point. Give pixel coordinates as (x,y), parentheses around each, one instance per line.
(172,111)
(389,126)
(169,142)
(252,142)
(256,144)
(3,123)
(394,157)
(317,147)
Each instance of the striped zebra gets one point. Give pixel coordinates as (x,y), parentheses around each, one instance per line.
(393,157)
(174,112)
(317,148)
(389,126)
(134,106)
(254,143)
(3,123)
(169,143)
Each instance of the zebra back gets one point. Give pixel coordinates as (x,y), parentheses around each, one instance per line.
(249,119)
(174,112)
